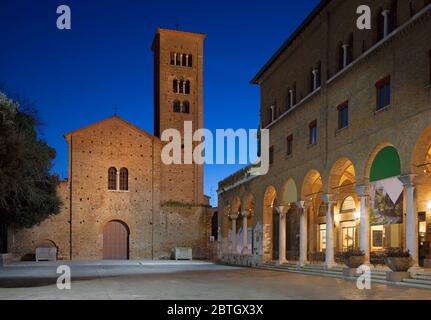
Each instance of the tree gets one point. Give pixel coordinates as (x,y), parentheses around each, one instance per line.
(27,187)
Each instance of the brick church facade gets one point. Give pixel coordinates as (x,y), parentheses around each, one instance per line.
(120,201)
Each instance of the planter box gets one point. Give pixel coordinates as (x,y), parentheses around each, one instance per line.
(183,254)
(349,272)
(397,276)
(402,264)
(46,254)
(354,262)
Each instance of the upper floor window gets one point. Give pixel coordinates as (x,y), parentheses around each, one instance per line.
(313,133)
(315,78)
(289,145)
(343,115)
(387,20)
(271,155)
(383,88)
(291,97)
(124,179)
(340,56)
(381,25)
(112,178)
(271,114)
(412,8)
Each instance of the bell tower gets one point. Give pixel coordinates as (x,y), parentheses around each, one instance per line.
(178,97)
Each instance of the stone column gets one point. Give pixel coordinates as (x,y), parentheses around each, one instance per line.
(345,48)
(412,223)
(385,14)
(315,72)
(233,217)
(303,234)
(117,187)
(282,211)
(329,199)
(364,236)
(291,98)
(245,215)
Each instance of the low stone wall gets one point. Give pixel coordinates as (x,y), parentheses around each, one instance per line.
(241,260)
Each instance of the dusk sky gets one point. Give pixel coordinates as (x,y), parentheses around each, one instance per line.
(76,77)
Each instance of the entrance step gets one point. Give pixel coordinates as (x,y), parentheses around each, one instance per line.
(421,280)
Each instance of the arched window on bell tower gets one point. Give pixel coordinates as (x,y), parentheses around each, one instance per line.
(187,87)
(177,106)
(175,86)
(185,107)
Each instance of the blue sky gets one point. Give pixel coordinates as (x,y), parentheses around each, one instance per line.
(79,76)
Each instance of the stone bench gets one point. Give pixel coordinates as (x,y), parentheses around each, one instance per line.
(3,259)
(46,254)
(183,254)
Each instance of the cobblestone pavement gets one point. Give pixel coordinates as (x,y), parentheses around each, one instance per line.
(188,280)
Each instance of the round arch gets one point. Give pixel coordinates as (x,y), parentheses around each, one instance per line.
(290,192)
(270,227)
(421,155)
(312,184)
(386,164)
(342,173)
(390,153)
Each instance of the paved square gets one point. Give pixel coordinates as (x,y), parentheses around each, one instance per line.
(181,280)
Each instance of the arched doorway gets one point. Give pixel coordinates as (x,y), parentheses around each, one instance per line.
(290,197)
(342,183)
(116,241)
(312,190)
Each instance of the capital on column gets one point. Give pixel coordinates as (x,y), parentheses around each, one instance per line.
(385,12)
(234,216)
(362,190)
(282,210)
(304,204)
(407,180)
(329,198)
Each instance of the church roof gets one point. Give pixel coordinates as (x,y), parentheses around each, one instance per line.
(116,119)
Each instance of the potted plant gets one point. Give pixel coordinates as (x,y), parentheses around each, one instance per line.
(353,259)
(399,262)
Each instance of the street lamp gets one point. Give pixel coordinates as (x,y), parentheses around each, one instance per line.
(357,215)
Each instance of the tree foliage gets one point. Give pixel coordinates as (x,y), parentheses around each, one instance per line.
(27,187)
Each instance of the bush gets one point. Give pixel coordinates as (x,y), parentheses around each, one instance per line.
(352,253)
(397,253)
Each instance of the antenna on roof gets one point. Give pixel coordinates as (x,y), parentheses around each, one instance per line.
(115,111)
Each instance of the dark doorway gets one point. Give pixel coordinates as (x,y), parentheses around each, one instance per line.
(3,238)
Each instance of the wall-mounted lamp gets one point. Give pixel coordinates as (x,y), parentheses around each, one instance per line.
(357,215)
(429,205)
